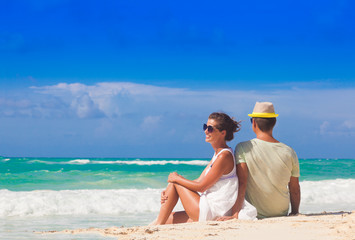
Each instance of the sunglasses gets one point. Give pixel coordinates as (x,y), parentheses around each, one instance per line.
(251,120)
(209,128)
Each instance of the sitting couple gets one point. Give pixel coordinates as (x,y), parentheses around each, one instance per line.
(259,180)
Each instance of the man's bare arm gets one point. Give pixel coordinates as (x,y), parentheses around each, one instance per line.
(295,195)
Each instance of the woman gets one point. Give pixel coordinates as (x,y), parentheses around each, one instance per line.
(218,183)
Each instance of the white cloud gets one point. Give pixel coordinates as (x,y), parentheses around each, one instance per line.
(23,103)
(85,107)
(346,128)
(118,99)
(349,124)
(16,107)
(150,123)
(108,98)
(126,114)
(324,127)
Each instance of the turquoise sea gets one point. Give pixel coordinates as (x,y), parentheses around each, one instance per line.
(41,194)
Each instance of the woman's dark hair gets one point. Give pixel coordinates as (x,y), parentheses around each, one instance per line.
(225,122)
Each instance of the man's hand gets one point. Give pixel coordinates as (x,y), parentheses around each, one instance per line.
(163,197)
(226,218)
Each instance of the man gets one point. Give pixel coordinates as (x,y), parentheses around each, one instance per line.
(268,170)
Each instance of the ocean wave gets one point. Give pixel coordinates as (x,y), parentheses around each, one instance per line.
(155,162)
(327,195)
(4,159)
(126,162)
(316,196)
(79,161)
(73,162)
(78,202)
(328,191)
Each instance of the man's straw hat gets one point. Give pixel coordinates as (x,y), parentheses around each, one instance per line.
(263,110)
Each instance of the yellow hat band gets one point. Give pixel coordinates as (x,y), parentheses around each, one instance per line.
(263,115)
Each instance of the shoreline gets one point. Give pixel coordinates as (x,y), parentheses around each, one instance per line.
(325,226)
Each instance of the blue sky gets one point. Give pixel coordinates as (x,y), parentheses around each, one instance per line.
(138,79)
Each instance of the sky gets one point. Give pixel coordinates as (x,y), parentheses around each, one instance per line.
(138,79)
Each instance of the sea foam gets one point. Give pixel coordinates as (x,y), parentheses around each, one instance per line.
(155,162)
(79,161)
(327,195)
(78,202)
(316,196)
(126,162)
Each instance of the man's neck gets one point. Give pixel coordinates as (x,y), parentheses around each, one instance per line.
(267,137)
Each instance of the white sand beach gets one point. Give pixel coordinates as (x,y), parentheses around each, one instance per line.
(325,226)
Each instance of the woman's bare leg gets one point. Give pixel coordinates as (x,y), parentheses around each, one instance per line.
(178,217)
(189,199)
(168,206)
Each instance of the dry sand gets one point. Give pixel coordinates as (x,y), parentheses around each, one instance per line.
(324,226)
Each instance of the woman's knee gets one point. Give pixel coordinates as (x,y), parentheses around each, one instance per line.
(170,186)
(171,189)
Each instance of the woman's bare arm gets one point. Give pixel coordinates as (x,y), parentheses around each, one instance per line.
(223,163)
(242,172)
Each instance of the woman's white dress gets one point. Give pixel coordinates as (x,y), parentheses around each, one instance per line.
(219,199)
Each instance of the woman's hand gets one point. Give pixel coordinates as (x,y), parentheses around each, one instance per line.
(163,197)
(173,177)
